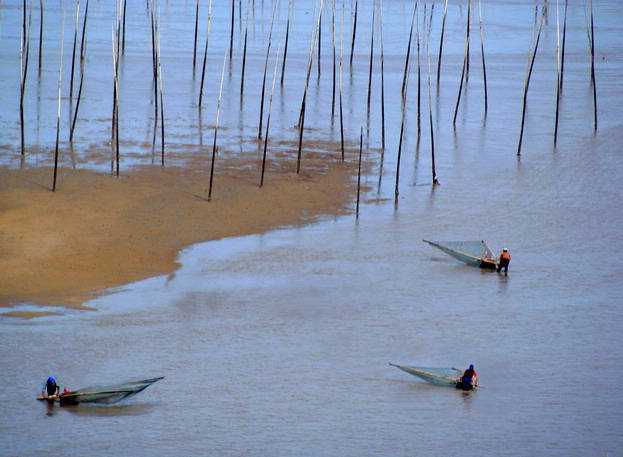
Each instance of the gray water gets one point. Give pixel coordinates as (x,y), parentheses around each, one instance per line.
(279,343)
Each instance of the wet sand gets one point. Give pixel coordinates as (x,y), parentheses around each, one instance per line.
(95,232)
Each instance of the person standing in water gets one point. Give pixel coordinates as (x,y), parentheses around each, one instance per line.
(51,387)
(469,380)
(505,259)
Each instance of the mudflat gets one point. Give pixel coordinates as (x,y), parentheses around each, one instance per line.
(97,231)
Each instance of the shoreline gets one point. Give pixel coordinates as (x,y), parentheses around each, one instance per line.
(96,232)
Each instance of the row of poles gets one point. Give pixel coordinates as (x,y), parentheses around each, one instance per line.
(413,47)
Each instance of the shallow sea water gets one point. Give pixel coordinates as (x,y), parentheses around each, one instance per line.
(279,343)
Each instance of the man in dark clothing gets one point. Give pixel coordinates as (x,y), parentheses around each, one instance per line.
(466,380)
(505,259)
(52,387)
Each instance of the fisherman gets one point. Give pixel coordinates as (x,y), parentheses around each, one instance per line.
(505,259)
(52,387)
(469,380)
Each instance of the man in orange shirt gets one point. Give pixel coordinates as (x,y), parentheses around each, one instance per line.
(505,259)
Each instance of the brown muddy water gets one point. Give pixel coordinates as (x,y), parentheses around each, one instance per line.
(279,343)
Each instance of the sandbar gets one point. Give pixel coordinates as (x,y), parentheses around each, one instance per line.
(98,231)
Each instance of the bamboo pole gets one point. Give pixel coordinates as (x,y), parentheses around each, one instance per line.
(244,51)
(469,20)
(558,64)
(341,105)
(115,110)
(24,59)
(125,4)
(443,29)
(154,63)
(359,171)
(21,89)
(73,53)
(116,88)
(404,77)
(419,74)
(40,34)
(161,95)
(382,77)
(82,60)
(527,84)
(352,46)
(270,107)
(285,50)
(218,110)
(334,60)
(402,122)
(196,32)
(270,38)
(205,56)
(564,37)
(319,42)
(592,43)
(231,38)
(115,104)
(58,113)
(430,118)
(482,51)
(304,102)
(458,98)
(371,62)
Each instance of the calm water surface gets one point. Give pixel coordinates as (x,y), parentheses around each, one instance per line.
(279,343)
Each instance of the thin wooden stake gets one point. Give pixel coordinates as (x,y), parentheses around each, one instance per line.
(304,102)
(407,57)
(218,110)
(402,123)
(382,77)
(196,31)
(469,20)
(319,42)
(285,50)
(205,56)
(482,50)
(82,60)
(419,75)
(270,107)
(352,46)
(161,96)
(154,62)
(231,38)
(430,118)
(270,38)
(458,98)
(244,51)
(40,34)
(558,64)
(125,4)
(25,49)
(334,60)
(564,37)
(73,53)
(371,61)
(527,85)
(593,66)
(58,116)
(359,171)
(341,106)
(443,29)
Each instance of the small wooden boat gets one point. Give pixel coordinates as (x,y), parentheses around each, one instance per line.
(49,398)
(475,253)
(102,394)
(445,377)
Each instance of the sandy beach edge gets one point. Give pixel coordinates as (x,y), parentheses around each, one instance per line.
(97,232)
